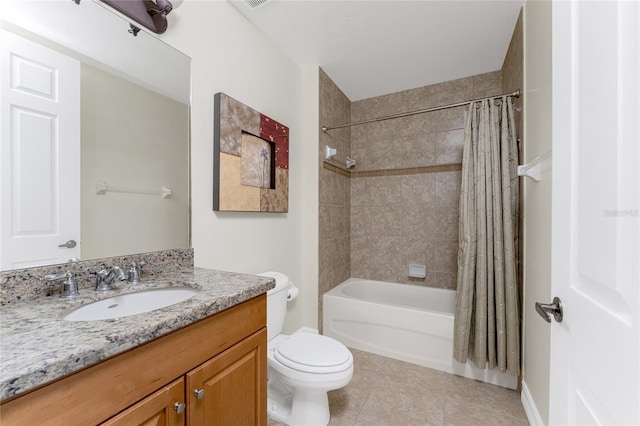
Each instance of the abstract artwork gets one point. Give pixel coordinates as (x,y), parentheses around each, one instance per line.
(251,159)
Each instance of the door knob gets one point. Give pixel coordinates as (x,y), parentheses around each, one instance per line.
(179,407)
(68,244)
(547,310)
(199,393)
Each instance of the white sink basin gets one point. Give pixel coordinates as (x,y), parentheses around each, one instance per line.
(131,304)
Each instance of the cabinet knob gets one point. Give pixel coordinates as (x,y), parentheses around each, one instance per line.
(199,393)
(179,407)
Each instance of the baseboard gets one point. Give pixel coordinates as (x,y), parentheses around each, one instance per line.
(533,416)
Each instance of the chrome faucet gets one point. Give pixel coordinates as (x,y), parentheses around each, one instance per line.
(106,277)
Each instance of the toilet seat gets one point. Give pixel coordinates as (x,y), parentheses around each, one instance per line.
(313,353)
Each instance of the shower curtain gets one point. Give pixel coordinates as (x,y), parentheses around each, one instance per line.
(486,317)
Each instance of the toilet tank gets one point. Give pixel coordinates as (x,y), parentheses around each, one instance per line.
(276,303)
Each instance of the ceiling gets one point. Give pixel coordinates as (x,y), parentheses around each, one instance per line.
(374,47)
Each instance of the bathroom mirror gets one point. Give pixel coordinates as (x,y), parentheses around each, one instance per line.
(106,171)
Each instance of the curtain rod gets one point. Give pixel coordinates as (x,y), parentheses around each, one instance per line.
(515,94)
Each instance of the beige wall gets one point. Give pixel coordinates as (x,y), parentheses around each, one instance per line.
(230,56)
(334,261)
(135,138)
(397,219)
(537,203)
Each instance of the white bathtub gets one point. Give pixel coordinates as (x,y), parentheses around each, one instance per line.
(406,322)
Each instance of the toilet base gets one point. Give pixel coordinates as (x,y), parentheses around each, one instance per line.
(306,408)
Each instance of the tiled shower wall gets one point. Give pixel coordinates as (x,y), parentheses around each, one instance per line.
(400,204)
(407,211)
(334,261)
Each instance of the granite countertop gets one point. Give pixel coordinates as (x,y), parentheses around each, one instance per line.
(38,346)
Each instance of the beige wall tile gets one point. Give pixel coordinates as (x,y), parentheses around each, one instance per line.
(447,189)
(386,220)
(487,84)
(445,280)
(448,146)
(400,219)
(419,150)
(418,212)
(360,192)
(334,259)
(385,190)
(446,256)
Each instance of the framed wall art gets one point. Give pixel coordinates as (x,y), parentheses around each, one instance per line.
(251,159)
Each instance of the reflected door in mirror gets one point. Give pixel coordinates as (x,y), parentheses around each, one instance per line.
(40,189)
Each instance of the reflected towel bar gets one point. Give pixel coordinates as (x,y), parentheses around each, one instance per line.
(102,188)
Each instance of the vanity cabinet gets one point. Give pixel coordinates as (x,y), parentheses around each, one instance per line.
(224,355)
(225,390)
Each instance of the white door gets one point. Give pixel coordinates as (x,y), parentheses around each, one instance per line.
(40,154)
(595,355)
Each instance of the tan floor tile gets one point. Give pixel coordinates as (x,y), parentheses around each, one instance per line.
(384,391)
(393,406)
(473,392)
(462,414)
(340,420)
(348,401)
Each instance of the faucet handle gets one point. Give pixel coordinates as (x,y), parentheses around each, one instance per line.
(135,271)
(55,277)
(69,287)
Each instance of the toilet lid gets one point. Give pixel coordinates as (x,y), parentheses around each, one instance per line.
(313,353)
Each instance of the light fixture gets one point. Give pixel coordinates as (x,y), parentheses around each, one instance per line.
(255,3)
(149,14)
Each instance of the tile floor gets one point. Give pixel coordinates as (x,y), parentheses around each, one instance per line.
(385,391)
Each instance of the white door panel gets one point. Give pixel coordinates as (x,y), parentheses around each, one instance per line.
(40,155)
(595,351)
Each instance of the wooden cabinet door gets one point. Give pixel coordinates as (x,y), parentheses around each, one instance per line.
(158,409)
(234,384)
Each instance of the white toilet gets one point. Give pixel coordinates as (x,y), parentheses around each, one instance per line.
(303,366)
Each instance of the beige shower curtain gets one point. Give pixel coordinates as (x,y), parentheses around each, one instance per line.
(487,328)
